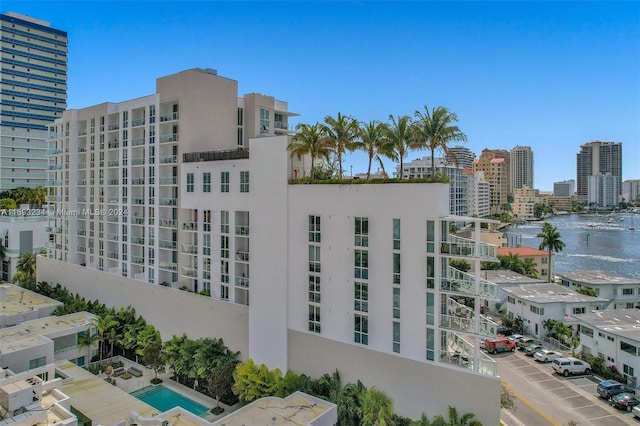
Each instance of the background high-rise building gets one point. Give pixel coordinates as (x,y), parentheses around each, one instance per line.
(603,191)
(631,190)
(495,165)
(34,93)
(464,156)
(595,158)
(566,188)
(521,167)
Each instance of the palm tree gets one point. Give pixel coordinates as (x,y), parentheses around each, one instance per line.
(340,132)
(39,196)
(371,141)
(26,267)
(88,340)
(456,420)
(103,324)
(550,240)
(376,408)
(398,139)
(2,250)
(308,140)
(435,129)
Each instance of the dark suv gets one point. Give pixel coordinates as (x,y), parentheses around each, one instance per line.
(610,388)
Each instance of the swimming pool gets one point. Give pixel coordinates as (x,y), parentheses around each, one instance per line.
(165,399)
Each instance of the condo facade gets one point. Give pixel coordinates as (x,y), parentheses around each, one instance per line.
(495,164)
(190,188)
(521,160)
(596,158)
(33,90)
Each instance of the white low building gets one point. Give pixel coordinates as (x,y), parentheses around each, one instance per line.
(540,302)
(615,336)
(622,293)
(20,305)
(22,231)
(504,278)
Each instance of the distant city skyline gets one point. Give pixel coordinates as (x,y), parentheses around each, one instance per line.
(550,75)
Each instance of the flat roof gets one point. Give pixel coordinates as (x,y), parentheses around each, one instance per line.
(102,402)
(550,293)
(296,409)
(505,276)
(46,326)
(622,322)
(596,277)
(21,342)
(18,300)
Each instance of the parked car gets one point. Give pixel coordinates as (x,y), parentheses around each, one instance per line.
(610,388)
(516,338)
(499,345)
(533,348)
(526,341)
(546,355)
(504,330)
(570,365)
(636,411)
(625,401)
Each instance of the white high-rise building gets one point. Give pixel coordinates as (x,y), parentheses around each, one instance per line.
(565,188)
(631,190)
(521,167)
(479,195)
(34,93)
(603,191)
(191,188)
(464,156)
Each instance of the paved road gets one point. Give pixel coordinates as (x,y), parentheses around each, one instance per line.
(546,399)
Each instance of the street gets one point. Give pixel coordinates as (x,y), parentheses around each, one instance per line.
(543,398)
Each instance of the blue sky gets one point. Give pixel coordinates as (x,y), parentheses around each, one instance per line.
(551,75)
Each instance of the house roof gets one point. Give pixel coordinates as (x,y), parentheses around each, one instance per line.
(623,322)
(505,276)
(521,251)
(596,277)
(550,293)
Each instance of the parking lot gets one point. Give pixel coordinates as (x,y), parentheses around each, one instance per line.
(545,398)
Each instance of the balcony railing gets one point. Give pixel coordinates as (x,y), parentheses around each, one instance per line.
(462,282)
(242,230)
(189,271)
(168,223)
(168,159)
(137,260)
(137,122)
(189,249)
(190,226)
(113,127)
(464,247)
(168,137)
(169,266)
(460,352)
(168,117)
(137,240)
(168,180)
(137,161)
(242,282)
(166,244)
(242,256)
(168,201)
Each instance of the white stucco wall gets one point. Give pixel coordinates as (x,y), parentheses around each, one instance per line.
(171,311)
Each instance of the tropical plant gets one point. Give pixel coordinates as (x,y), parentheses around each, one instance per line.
(26,269)
(221,379)
(309,140)
(376,408)
(455,419)
(551,241)
(340,132)
(254,381)
(103,324)
(435,129)
(8,204)
(88,340)
(460,265)
(153,357)
(587,291)
(371,141)
(398,140)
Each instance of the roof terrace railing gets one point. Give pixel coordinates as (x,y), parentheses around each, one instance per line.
(228,154)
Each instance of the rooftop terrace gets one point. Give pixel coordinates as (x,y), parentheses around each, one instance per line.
(16,300)
(47,326)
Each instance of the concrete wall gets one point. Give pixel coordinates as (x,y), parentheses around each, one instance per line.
(171,311)
(415,387)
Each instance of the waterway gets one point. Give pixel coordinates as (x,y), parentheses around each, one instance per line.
(592,241)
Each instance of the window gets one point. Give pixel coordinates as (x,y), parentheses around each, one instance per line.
(206,245)
(511,300)
(536,310)
(396,234)
(207,220)
(396,302)
(314,318)
(362,232)
(224,221)
(431,272)
(577,311)
(361,297)
(314,259)
(626,347)
(190,182)
(431,236)
(396,337)
(224,292)
(224,271)
(314,288)
(396,268)
(244,181)
(362,264)
(361,329)
(431,309)
(224,181)
(314,229)
(38,362)
(627,291)
(627,370)
(544,260)
(586,331)
(431,344)
(264,120)
(206,182)
(224,246)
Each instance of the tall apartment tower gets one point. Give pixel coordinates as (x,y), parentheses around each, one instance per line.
(566,188)
(596,158)
(521,167)
(494,163)
(34,94)
(464,156)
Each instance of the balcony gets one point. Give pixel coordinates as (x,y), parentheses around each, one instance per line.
(242,256)
(172,116)
(137,181)
(82,132)
(463,283)
(137,122)
(112,255)
(466,324)
(189,272)
(168,159)
(166,244)
(113,182)
(168,180)
(113,163)
(138,201)
(54,166)
(189,249)
(168,223)
(137,260)
(168,266)
(137,221)
(81,233)
(137,142)
(168,201)
(113,145)
(242,230)
(460,352)
(137,240)
(54,151)
(82,149)
(113,127)
(168,138)
(242,282)
(190,226)
(137,161)
(464,247)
